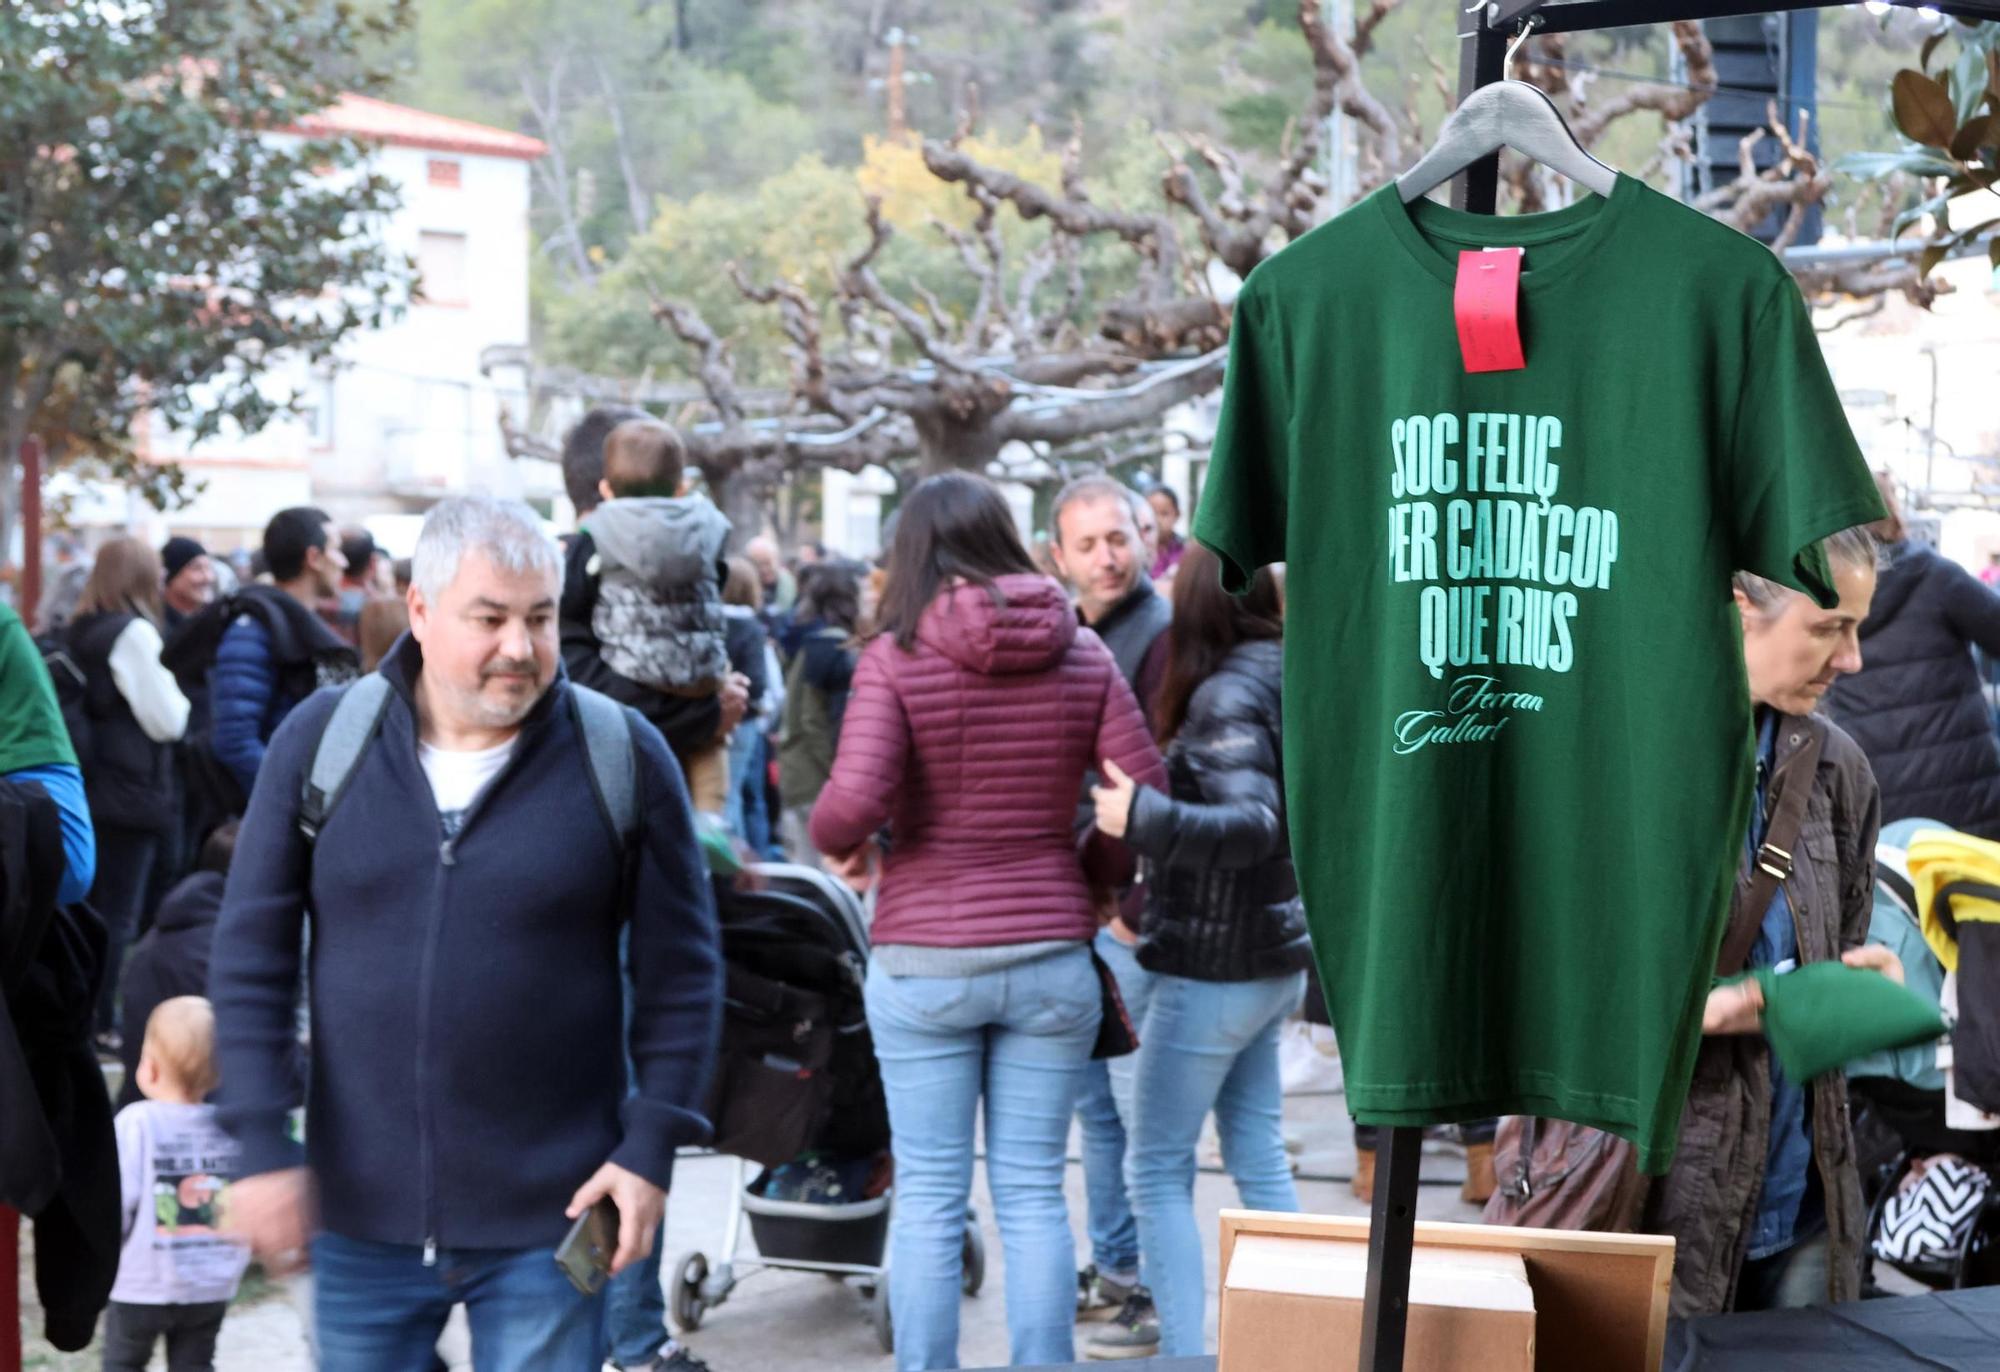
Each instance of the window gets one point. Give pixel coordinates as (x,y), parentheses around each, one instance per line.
(441,261)
(444,172)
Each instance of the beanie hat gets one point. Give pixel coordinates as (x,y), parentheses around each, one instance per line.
(177,553)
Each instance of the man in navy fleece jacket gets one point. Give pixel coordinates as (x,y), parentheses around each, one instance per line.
(468,1090)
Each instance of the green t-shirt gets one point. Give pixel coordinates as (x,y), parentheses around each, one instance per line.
(32,733)
(1518,750)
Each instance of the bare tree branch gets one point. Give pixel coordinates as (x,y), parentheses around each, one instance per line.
(1337,80)
(713,367)
(799,319)
(1057,423)
(860,281)
(1669,102)
(520,443)
(638,204)
(1151,234)
(547,113)
(1365,26)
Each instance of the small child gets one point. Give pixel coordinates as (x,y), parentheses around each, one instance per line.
(659,618)
(177,1273)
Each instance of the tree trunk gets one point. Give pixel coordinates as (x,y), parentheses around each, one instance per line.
(742,496)
(949,447)
(14,416)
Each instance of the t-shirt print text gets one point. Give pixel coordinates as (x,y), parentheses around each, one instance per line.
(1476,523)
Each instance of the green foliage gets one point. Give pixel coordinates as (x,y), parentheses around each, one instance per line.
(157,243)
(1947,109)
(804,225)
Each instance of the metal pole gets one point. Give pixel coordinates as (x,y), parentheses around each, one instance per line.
(1482,53)
(1392,1220)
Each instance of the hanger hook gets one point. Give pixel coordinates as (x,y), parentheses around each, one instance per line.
(1528,26)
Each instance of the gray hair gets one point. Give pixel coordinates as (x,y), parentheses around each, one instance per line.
(1850,548)
(1095,486)
(506,531)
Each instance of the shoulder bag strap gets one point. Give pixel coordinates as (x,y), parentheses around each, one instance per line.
(1792,786)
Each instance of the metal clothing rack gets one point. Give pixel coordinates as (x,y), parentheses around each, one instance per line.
(1484,32)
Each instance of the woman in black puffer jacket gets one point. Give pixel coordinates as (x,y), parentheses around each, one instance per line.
(1224,935)
(1916,707)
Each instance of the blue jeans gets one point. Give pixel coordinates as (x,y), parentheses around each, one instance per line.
(377,1308)
(1204,1045)
(1018,1038)
(635,1309)
(746,814)
(1100,1109)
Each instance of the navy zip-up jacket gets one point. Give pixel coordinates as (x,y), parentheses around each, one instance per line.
(466,1065)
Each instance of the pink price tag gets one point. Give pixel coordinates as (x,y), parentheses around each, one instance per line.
(1487,306)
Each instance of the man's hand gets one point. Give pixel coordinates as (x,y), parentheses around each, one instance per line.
(272,1212)
(641,1207)
(1114,802)
(1734,1009)
(735,701)
(1877,958)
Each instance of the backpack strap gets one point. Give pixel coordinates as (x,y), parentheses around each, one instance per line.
(614,765)
(349,730)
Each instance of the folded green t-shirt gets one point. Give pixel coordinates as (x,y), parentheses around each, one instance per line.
(1826,1014)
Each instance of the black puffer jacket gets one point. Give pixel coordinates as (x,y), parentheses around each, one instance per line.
(1915,706)
(1222,900)
(129,777)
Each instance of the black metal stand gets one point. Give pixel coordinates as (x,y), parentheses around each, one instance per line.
(1484,32)
(1392,1223)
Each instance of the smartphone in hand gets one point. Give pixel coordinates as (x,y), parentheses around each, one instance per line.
(585,1254)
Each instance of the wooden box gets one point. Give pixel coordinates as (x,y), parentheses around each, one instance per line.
(1600,1300)
(1287,1300)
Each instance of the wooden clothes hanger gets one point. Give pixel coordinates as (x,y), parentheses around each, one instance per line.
(1506,114)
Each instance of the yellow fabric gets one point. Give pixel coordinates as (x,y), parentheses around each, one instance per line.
(1939,857)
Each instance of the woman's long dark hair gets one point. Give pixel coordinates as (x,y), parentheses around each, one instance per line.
(1208,624)
(952,525)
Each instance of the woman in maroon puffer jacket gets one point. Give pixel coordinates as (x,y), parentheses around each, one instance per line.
(974,715)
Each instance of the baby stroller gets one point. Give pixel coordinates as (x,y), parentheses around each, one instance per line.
(798,1076)
(1932,1213)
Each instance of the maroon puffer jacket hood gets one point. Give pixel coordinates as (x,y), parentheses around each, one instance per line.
(1029,633)
(971,748)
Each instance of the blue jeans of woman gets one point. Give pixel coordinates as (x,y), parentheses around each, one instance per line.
(1204,1045)
(1102,1107)
(746,815)
(1016,1038)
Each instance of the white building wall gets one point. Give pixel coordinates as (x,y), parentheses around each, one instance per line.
(405,416)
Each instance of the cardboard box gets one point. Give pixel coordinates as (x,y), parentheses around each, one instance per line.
(1294,1304)
(1600,1299)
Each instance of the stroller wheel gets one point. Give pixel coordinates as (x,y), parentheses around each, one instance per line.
(878,1313)
(972,1258)
(688,1306)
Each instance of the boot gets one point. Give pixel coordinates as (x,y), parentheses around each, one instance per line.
(1479,1181)
(1364,1175)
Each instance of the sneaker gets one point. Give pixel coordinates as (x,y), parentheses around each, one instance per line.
(1134,1332)
(675,1359)
(1099,1297)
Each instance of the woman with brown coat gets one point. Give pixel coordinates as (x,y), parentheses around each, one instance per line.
(1764,1198)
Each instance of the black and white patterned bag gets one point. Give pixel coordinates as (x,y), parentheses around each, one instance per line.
(1929,1219)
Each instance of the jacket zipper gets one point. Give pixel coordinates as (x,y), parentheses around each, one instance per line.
(447,859)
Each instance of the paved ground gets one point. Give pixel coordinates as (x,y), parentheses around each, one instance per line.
(781,1321)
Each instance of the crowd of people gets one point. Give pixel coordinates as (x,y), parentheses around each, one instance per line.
(1055,769)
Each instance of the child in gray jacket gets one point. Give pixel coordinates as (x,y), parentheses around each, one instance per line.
(659,614)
